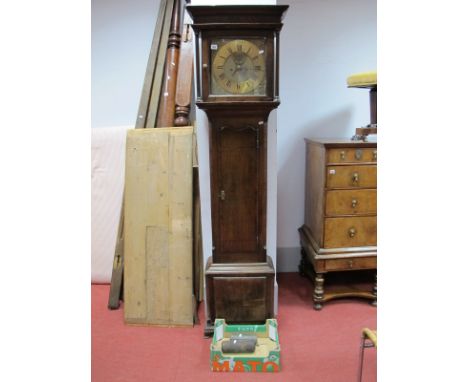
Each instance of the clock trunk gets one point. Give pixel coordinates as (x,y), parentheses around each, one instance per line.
(238,194)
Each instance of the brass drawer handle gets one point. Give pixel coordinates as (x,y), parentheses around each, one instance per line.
(358,154)
(374,155)
(343,155)
(354,203)
(350,263)
(355,177)
(352,232)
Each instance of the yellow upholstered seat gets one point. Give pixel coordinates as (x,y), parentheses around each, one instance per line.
(362,80)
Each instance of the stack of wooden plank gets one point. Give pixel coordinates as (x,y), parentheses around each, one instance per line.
(161,275)
(158,283)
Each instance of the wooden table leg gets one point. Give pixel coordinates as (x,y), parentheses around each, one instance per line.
(318,290)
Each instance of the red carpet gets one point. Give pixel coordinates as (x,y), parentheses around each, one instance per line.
(316,346)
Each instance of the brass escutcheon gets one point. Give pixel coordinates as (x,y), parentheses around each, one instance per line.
(358,154)
(352,232)
(343,155)
(354,203)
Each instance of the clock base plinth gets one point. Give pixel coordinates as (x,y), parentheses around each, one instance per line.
(241,293)
(209,329)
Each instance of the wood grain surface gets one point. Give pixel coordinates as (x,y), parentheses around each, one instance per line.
(158,285)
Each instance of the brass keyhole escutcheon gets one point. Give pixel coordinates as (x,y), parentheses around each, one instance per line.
(350,263)
(222,195)
(354,203)
(355,177)
(374,155)
(343,155)
(358,154)
(352,232)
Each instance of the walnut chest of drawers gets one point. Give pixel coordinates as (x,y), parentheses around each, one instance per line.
(340,219)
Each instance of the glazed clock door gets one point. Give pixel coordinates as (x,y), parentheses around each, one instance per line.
(237,191)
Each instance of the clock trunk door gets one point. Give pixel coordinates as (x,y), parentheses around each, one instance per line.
(238,195)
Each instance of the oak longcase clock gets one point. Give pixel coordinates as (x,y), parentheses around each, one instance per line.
(237,86)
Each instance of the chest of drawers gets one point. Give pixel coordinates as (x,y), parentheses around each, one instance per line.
(340,219)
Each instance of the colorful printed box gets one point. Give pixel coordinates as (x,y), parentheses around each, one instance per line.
(266,357)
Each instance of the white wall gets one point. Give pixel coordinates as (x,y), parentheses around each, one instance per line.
(322,42)
(122,32)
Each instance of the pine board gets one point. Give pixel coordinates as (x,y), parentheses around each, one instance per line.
(158,281)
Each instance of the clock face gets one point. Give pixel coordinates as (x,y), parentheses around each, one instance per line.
(238,67)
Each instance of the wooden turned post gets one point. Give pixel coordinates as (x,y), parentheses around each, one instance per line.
(373,105)
(183,95)
(318,291)
(182,116)
(166,109)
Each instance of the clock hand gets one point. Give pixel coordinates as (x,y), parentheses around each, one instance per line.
(238,67)
(239,59)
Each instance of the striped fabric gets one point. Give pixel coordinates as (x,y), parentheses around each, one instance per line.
(107,181)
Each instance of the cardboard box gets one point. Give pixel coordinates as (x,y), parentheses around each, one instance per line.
(266,357)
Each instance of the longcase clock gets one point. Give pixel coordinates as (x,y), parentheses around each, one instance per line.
(237,86)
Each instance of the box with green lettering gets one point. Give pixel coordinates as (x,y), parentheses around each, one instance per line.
(264,352)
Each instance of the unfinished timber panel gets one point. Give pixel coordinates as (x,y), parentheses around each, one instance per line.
(158,281)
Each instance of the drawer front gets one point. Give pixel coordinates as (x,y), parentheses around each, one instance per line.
(352,155)
(350,232)
(351,264)
(364,176)
(351,202)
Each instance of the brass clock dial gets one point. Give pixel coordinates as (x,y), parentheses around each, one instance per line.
(238,67)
